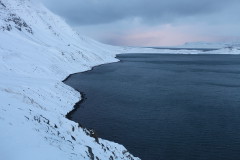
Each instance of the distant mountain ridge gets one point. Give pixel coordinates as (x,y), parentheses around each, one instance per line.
(211,44)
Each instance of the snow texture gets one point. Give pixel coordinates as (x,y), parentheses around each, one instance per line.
(38,50)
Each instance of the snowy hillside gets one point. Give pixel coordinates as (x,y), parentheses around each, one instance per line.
(37,51)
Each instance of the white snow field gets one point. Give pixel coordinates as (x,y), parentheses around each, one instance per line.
(38,50)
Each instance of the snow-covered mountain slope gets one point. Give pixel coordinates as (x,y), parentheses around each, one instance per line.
(37,51)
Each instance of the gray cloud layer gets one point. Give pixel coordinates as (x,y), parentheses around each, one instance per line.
(85,12)
(151,22)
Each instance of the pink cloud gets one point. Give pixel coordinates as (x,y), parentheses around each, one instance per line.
(166,35)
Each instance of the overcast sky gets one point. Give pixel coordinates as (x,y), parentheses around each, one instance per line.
(151,22)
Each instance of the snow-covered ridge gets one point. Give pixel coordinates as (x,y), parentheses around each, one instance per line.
(37,51)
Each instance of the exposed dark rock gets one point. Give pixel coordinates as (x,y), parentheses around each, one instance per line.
(69,141)
(94,135)
(73,129)
(19,24)
(45,120)
(2,4)
(73,138)
(36,118)
(91,155)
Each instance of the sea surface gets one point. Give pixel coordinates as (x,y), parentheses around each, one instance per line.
(165,106)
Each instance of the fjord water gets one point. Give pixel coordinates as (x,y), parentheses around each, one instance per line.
(169,107)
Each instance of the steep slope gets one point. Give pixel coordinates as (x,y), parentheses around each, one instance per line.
(37,51)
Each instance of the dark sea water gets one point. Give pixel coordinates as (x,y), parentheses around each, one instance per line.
(165,107)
